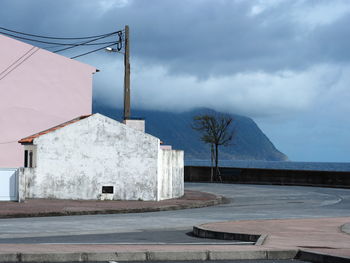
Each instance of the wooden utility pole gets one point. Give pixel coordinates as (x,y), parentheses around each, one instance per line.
(127,111)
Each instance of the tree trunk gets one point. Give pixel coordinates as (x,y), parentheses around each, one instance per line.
(217,162)
(211,162)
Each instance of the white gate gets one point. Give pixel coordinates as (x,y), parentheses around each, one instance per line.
(8,184)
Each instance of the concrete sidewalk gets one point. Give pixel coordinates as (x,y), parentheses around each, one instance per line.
(46,207)
(314,240)
(326,236)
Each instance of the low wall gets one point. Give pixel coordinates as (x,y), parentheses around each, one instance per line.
(171,169)
(8,184)
(271,176)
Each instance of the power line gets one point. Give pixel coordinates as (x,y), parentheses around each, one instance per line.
(16,61)
(91,51)
(49,37)
(91,39)
(20,63)
(89,44)
(46,42)
(82,44)
(8,142)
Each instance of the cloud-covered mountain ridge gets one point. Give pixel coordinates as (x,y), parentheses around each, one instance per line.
(249,142)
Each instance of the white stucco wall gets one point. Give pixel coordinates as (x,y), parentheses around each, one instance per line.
(8,184)
(74,162)
(178,171)
(171,175)
(136,124)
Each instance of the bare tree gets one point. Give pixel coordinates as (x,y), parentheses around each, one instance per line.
(215,130)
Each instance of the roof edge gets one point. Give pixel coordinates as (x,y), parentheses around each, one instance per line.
(30,139)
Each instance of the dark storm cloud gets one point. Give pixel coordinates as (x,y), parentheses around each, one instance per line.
(201,38)
(283,62)
(331,42)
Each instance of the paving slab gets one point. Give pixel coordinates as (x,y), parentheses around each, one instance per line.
(49,207)
(321,236)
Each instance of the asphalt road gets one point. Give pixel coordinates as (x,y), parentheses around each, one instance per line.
(220,261)
(249,202)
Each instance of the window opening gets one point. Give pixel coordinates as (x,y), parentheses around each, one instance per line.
(107,190)
(26,158)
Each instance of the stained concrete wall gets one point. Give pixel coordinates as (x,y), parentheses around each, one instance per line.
(171,176)
(135,124)
(75,161)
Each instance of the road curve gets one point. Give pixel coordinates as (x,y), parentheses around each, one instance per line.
(249,202)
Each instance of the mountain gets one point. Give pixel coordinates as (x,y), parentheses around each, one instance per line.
(249,142)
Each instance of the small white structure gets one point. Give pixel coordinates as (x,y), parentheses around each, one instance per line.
(8,184)
(96,158)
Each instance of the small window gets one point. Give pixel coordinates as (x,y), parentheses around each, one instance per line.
(26,158)
(107,190)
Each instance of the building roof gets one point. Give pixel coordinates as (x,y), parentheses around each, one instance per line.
(31,138)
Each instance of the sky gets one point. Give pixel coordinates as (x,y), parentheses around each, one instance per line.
(283,63)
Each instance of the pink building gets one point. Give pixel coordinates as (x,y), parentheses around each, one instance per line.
(38,89)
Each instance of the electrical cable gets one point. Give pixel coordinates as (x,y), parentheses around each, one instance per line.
(46,42)
(119,44)
(90,44)
(8,142)
(20,63)
(47,37)
(91,51)
(16,61)
(81,44)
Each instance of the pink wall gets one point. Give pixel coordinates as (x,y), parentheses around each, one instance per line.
(38,90)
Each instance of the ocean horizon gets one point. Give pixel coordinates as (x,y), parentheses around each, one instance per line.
(280,165)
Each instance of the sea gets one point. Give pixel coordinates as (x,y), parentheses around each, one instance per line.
(280,165)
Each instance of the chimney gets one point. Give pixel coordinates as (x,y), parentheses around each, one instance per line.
(135,124)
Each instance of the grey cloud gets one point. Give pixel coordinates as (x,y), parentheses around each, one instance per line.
(272,65)
(201,38)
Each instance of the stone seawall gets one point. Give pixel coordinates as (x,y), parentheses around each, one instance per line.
(271,176)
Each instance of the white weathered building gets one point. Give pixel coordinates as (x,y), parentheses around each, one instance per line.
(95,157)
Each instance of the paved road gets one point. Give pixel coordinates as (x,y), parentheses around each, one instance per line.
(142,237)
(248,202)
(219,261)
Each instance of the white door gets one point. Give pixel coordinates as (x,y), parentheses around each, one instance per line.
(8,184)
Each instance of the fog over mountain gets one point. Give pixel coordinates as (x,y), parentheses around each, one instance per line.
(249,142)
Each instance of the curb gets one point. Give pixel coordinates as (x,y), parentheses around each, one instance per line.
(274,254)
(320,258)
(205,203)
(148,256)
(204,255)
(204,233)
